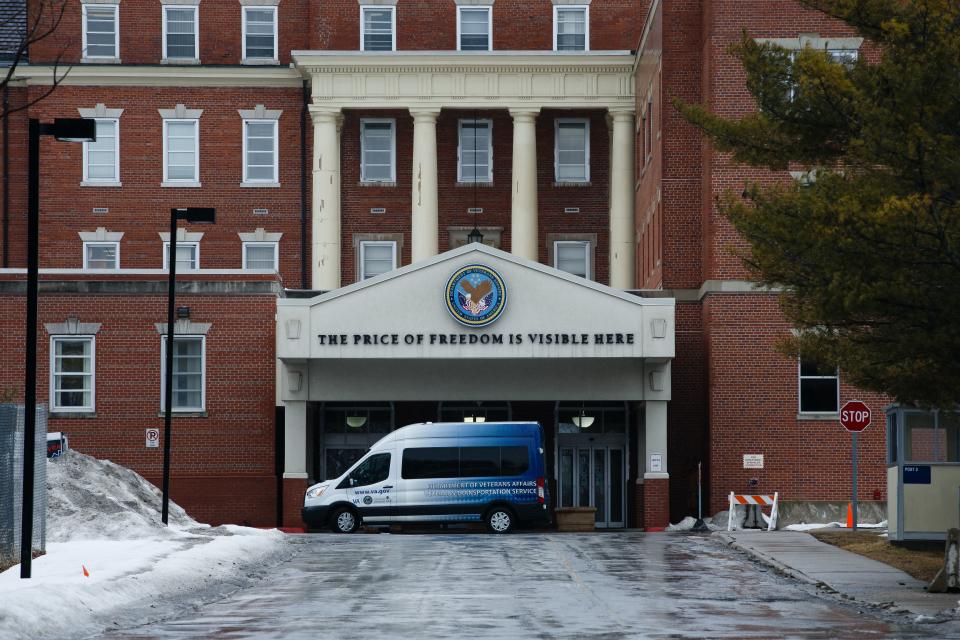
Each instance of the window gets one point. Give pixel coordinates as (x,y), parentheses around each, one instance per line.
(473,29)
(475,152)
(931,436)
(101,159)
(260,151)
(189,370)
(377,29)
(188,256)
(374,469)
(377,151)
(260,33)
(259,255)
(101,255)
(846,57)
(464,462)
(377,258)
(648,130)
(819,388)
(100,27)
(72,373)
(181,151)
(572,150)
(180,33)
(571,28)
(572,257)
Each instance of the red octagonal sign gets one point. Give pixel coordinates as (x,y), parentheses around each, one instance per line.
(855,416)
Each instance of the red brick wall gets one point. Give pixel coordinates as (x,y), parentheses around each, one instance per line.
(16,174)
(293,491)
(141,207)
(754,409)
(222,464)
(335,25)
(656,504)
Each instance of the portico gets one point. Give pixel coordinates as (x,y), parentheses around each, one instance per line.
(561,343)
(522,83)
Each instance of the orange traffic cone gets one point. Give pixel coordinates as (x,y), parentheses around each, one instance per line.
(849,515)
(86,574)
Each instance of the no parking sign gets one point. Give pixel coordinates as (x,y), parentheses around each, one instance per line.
(153,438)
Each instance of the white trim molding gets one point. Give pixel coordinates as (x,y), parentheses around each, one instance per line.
(182,235)
(184,326)
(72,327)
(474,3)
(180,112)
(576,3)
(468,80)
(101,235)
(814,41)
(259,113)
(259,3)
(259,235)
(158,76)
(99,111)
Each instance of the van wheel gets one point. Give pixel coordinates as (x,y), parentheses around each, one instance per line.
(344,520)
(499,520)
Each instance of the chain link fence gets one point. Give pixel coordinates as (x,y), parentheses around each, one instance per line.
(11,482)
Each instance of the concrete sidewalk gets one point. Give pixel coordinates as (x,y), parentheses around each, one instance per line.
(804,557)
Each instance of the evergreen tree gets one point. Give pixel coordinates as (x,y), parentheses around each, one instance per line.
(867,247)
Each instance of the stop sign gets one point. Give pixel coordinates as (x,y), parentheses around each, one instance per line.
(855,416)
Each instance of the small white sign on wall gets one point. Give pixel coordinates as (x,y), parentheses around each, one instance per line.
(656,462)
(753,461)
(153,438)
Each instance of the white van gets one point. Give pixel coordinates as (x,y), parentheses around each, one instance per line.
(492,472)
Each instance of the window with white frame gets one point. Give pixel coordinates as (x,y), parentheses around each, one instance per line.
(378,28)
(475,151)
(189,371)
(378,150)
(181,150)
(260,33)
(377,257)
(572,257)
(572,150)
(101,158)
(260,151)
(101,255)
(819,387)
(474,29)
(571,28)
(260,255)
(845,57)
(72,379)
(188,256)
(101,28)
(180,33)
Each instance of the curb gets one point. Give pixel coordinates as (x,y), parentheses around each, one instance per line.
(775,564)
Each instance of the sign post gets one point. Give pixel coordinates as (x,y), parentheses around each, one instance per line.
(855,417)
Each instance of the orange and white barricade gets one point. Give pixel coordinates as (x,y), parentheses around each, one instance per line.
(763,500)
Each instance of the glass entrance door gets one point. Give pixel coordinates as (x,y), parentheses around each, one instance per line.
(593,476)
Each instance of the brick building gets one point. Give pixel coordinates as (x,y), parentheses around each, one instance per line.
(349,149)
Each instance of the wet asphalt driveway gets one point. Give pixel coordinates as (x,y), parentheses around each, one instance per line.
(605,585)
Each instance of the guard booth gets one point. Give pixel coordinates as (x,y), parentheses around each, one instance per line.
(923,473)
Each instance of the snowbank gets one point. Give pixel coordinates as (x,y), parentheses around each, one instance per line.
(803,526)
(104,518)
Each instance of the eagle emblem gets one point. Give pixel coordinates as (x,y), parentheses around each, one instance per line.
(476,295)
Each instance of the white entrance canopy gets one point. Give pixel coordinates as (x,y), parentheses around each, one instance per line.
(393,338)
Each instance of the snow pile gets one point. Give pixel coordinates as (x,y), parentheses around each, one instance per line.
(689,522)
(104,519)
(91,499)
(803,526)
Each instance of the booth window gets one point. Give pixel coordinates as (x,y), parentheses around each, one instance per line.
(819,387)
(931,436)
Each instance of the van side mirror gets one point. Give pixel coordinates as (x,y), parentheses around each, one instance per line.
(353,481)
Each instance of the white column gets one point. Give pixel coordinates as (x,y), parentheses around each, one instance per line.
(524,232)
(295,440)
(622,217)
(655,426)
(424,241)
(326,198)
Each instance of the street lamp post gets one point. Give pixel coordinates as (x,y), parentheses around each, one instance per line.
(70,130)
(195,215)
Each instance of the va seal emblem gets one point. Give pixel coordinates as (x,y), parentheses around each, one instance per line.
(476,295)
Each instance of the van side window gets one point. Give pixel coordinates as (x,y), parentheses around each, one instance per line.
(374,469)
(430,462)
(514,461)
(464,462)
